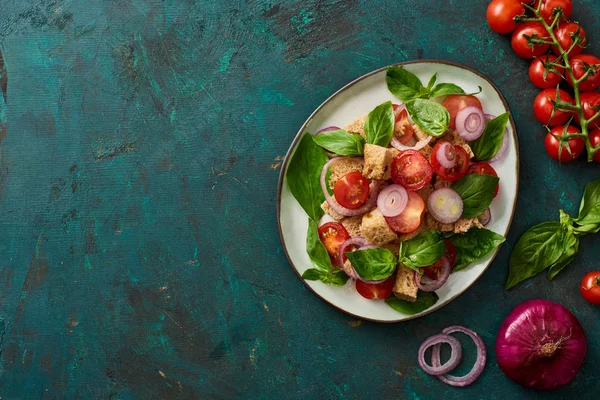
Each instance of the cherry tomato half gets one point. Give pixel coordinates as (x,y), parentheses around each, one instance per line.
(403,130)
(520,43)
(455,173)
(456,102)
(595,141)
(589,100)
(592,82)
(351,190)
(333,235)
(548,7)
(542,107)
(500,14)
(375,291)
(552,144)
(411,170)
(590,287)
(564,36)
(537,70)
(411,218)
(433,271)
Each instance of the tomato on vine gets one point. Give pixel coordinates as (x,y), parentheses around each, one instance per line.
(521,37)
(594,137)
(548,6)
(590,102)
(553,144)
(543,107)
(579,64)
(543,77)
(565,34)
(501,13)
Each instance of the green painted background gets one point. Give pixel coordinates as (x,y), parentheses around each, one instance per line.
(139,156)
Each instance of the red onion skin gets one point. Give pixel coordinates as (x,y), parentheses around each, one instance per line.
(541,345)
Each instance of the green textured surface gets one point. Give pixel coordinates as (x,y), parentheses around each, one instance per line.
(139,155)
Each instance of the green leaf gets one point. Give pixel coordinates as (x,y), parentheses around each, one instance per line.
(303,175)
(571,248)
(424,301)
(341,142)
(477,192)
(403,84)
(490,141)
(379,125)
(586,229)
(423,250)
(315,249)
(538,248)
(474,245)
(430,116)
(312,274)
(373,264)
(337,278)
(432,81)
(444,89)
(589,211)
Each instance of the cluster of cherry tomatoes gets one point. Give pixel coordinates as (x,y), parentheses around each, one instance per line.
(530,40)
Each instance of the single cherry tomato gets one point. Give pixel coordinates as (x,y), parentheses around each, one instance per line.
(455,173)
(548,7)
(411,170)
(595,141)
(542,78)
(589,101)
(411,218)
(564,36)
(542,107)
(592,82)
(403,130)
(501,13)
(552,144)
(456,102)
(351,190)
(375,291)
(590,287)
(520,43)
(333,235)
(433,271)
(482,168)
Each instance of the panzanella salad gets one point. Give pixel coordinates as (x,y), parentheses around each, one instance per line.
(400,198)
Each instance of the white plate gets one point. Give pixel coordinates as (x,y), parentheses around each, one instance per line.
(359,98)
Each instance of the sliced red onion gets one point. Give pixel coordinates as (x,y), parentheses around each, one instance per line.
(418,146)
(446,155)
(428,285)
(485,217)
(401,107)
(392,200)
(329,128)
(436,341)
(357,241)
(479,362)
(445,205)
(499,155)
(470,123)
(346,212)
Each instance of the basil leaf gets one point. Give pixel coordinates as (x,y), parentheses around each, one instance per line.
(474,245)
(585,229)
(477,192)
(538,248)
(424,301)
(444,89)
(432,81)
(315,249)
(373,264)
(430,116)
(337,278)
(423,250)
(490,141)
(589,211)
(303,176)
(341,142)
(312,274)
(403,84)
(571,248)
(379,125)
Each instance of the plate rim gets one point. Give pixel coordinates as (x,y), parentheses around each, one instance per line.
(298,136)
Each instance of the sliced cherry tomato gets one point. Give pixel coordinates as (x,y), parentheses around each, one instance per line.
(411,170)
(542,78)
(403,130)
(433,271)
(375,291)
(592,82)
(589,101)
(564,36)
(333,235)
(411,218)
(456,102)
(542,107)
(500,14)
(520,44)
(595,141)
(552,144)
(548,7)
(455,173)
(590,287)
(482,168)
(351,190)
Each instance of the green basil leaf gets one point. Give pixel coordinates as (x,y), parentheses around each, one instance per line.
(585,229)
(431,117)
(373,264)
(490,141)
(303,175)
(477,192)
(424,301)
(337,278)
(571,248)
(444,89)
(312,274)
(341,142)
(432,81)
(315,249)
(538,248)
(403,84)
(589,211)
(423,250)
(379,125)
(474,245)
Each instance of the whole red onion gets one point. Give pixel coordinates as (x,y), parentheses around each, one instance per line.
(541,345)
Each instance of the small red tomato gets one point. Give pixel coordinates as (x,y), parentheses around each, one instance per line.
(456,102)
(501,13)
(540,77)
(590,287)
(333,235)
(542,107)
(595,141)
(455,173)
(564,34)
(403,130)
(375,291)
(520,43)
(589,101)
(433,271)
(548,7)
(411,170)
(592,82)
(351,190)
(552,144)
(411,218)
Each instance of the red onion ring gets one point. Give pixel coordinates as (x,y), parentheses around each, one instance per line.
(392,200)
(445,205)
(401,107)
(436,341)
(499,155)
(433,285)
(418,146)
(479,362)
(329,128)
(346,212)
(470,123)
(446,155)
(485,217)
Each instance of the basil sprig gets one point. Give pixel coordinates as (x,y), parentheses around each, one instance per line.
(431,117)
(477,192)
(320,258)
(379,125)
(373,264)
(424,301)
(589,211)
(474,245)
(407,86)
(490,141)
(423,250)
(341,142)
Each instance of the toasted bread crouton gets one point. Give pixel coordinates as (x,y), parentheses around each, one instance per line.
(393,246)
(376,161)
(342,167)
(464,224)
(425,192)
(357,126)
(426,151)
(438,226)
(352,225)
(419,133)
(453,138)
(391,153)
(329,211)
(405,287)
(375,230)
(441,183)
